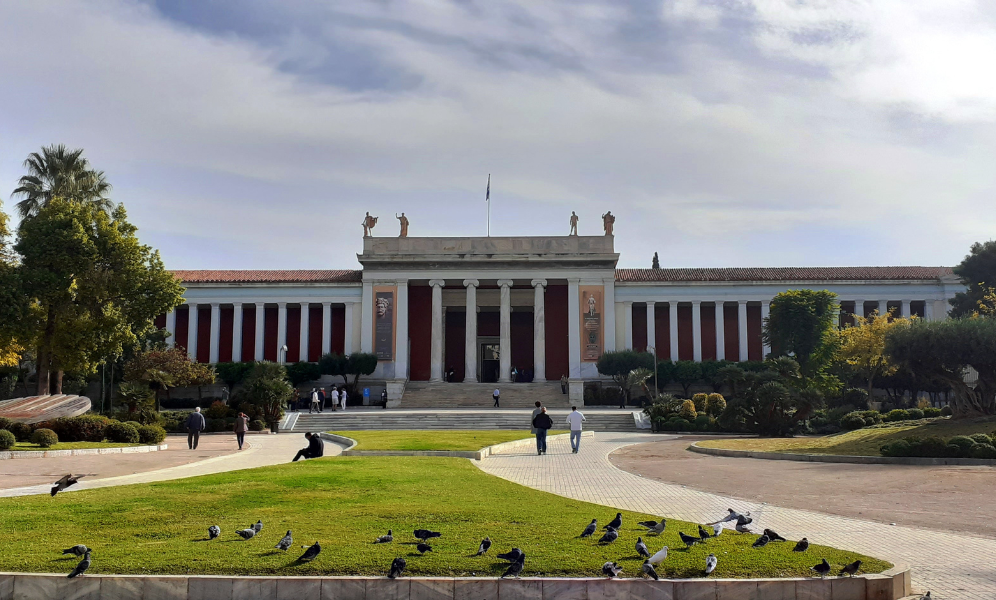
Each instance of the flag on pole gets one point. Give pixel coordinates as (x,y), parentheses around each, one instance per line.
(487,197)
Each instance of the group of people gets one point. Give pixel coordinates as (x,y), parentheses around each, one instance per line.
(337,397)
(542,423)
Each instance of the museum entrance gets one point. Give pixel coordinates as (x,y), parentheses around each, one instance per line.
(490,365)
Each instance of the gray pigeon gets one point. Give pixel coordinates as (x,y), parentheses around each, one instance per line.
(615,523)
(213,532)
(484,547)
(384,539)
(512,555)
(246,534)
(310,554)
(610,536)
(851,569)
(761,542)
(77,550)
(515,569)
(64,482)
(611,569)
(641,548)
(823,568)
(802,546)
(82,567)
(658,528)
(423,548)
(590,529)
(258,526)
(649,569)
(285,542)
(425,534)
(397,568)
(711,563)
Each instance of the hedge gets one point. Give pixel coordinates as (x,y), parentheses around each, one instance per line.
(151,434)
(122,433)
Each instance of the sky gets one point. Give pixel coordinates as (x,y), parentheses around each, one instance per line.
(251,134)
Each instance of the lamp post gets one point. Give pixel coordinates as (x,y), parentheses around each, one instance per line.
(653,350)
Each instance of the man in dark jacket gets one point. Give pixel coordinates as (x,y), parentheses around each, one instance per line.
(542,423)
(315,449)
(195,425)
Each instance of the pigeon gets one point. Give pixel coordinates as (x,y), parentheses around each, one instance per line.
(310,554)
(641,548)
(512,555)
(610,536)
(925,596)
(615,523)
(823,568)
(77,550)
(802,546)
(425,534)
(717,529)
(761,542)
(774,537)
(82,567)
(65,481)
(515,569)
(647,524)
(484,547)
(384,539)
(729,518)
(611,569)
(285,542)
(397,568)
(649,570)
(258,526)
(851,569)
(423,548)
(711,562)
(744,520)
(590,529)
(246,534)
(688,540)
(213,532)
(743,528)
(703,534)
(658,556)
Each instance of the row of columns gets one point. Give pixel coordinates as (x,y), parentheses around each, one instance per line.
(904,309)
(696,328)
(215,338)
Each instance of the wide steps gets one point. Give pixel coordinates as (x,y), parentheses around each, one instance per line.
(453,420)
(422,394)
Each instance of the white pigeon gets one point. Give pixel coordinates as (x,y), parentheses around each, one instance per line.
(658,556)
(711,562)
(718,527)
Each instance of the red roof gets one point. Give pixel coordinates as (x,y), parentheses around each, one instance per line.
(783,274)
(254,276)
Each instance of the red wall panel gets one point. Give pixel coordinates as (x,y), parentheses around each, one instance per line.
(182,324)
(732,332)
(293,334)
(204,334)
(686,348)
(488,324)
(225,339)
(557,360)
(160,322)
(338,330)
(270,334)
(248,332)
(420,331)
(708,313)
(662,331)
(315,334)
(755,348)
(639,327)
(455,344)
(522,340)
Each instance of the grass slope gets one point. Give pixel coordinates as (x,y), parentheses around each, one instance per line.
(439,440)
(861,442)
(345,503)
(29,447)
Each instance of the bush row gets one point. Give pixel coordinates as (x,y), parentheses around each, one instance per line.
(84,428)
(978,445)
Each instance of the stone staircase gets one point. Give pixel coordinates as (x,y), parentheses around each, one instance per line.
(364,419)
(423,394)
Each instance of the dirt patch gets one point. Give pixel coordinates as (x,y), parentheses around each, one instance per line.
(942,498)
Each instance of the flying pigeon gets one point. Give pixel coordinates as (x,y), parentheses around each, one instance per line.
(611,569)
(77,550)
(425,534)
(590,529)
(743,528)
(615,523)
(512,555)
(397,568)
(384,539)
(285,542)
(641,548)
(213,532)
(610,536)
(649,569)
(658,556)
(851,569)
(761,542)
(687,539)
(774,537)
(703,534)
(258,526)
(65,481)
(732,516)
(823,568)
(423,548)
(711,562)
(484,547)
(310,554)
(82,567)
(802,546)
(246,534)
(515,569)
(744,520)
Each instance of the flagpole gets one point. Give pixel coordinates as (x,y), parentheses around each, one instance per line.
(488,199)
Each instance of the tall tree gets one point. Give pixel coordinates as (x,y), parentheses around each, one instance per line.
(163,369)
(978,272)
(863,346)
(60,173)
(801,324)
(13,305)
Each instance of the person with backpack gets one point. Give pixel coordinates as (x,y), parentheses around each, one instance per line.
(542,423)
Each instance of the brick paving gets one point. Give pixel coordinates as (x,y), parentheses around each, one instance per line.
(950,565)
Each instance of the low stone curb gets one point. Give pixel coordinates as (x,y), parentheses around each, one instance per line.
(891,585)
(501,448)
(13,454)
(832,458)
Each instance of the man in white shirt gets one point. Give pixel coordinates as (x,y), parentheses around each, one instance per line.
(575,418)
(315,406)
(496,395)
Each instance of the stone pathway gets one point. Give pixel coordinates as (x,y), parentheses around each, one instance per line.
(953,566)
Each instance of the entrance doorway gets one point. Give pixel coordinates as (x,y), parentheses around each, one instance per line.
(490,361)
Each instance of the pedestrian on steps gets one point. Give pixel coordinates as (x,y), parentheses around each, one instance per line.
(315,406)
(575,418)
(496,395)
(563,384)
(542,423)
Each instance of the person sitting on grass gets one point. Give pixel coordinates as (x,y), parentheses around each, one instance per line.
(315,449)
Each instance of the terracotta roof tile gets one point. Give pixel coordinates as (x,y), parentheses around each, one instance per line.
(256,276)
(783,274)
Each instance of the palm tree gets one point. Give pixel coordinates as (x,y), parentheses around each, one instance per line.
(58,172)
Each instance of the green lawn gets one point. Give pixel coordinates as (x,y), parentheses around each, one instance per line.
(861,442)
(434,440)
(345,502)
(27,446)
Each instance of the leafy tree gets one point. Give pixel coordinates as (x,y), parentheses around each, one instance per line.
(301,372)
(978,272)
(360,363)
(13,305)
(60,173)
(233,373)
(162,370)
(686,373)
(618,365)
(268,389)
(863,346)
(801,325)
(334,365)
(136,395)
(774,401)
(665,373)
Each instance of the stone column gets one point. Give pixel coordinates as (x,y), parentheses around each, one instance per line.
(505,341)
(859,308)
(192,331)
(470,339)
(742,328)
(697,330)
(260,322)
(171,328)
(436,348)
(401,336)
(281,331)
(928,310)
(539,329)
(349,319)
(765,311)
(237,332)
(906,309)
(574,329)
(673,326)
(627,325)
(215,343)
(883,307)
(367,319)
(720,331)
(326,328)
(651,325)
(302,353)
(609,320)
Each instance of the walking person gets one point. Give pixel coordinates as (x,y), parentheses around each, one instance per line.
(563,384)
(195,425)
(315,449)
(542,423)
(536,411)
(241,427)
(321,399)
(342,398)
(334,397)
(314,402)
(496,395)
(575,418)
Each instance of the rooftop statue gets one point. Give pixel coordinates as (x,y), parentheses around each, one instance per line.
(607,222)
(574,223)
(404,224)
(368,224)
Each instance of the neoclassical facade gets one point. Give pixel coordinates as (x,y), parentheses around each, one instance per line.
(480,308)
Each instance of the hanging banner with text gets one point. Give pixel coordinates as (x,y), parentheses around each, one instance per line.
(384,322)
(592,311)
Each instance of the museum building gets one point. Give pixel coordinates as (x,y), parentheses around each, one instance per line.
(490,309)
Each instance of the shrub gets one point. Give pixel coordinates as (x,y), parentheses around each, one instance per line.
(856,397)
(946,411)
(257,425)
(678,425)
(5,423)
(897,415)
(852,421)
(932,447)
(834,415)
(46,438)
(700,401)
(687,411)
(931,412)
(896,448)
(215,425)
(914,414)
(981,438)
(151,434)
(984,451)
(122,433)
(715,404)
(702,422)
(21,431)
(84,428)
(217,410)
(7,440)
(964,444)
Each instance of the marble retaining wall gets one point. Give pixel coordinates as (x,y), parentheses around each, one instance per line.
(502,448)
(9,454)
(843,458)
